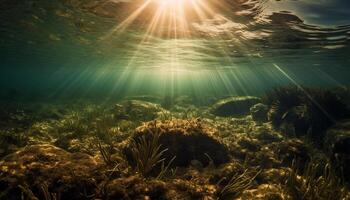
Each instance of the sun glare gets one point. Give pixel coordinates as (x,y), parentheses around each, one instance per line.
(170,3)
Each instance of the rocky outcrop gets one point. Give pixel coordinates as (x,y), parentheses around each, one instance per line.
(259,112)
(188,140)
(37,169)
(138,110)
(337,146)
(234,106)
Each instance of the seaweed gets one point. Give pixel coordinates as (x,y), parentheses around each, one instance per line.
(308,111)
(237,184)
(10,140)
(106,153)
(147,153)
(316,182)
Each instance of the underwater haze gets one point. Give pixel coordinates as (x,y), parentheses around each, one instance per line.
(195,47)
(175,99)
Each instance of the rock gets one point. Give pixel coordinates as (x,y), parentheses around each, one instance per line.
(138,110)
(268,136)
(296,121)
(196,164)
(186,139)
(274,175)
(337,143)
(145,98)
(259,112)
(287,150)
(265,192)
(136,188)
(33,167)
(234,106)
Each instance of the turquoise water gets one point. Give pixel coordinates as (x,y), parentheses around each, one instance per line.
(109,49)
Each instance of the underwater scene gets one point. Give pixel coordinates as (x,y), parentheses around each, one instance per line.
(174,99)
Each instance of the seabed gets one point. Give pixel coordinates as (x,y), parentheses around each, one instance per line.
(278,146)
(174,100)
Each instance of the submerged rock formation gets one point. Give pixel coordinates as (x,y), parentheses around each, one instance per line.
(138,110)
(188,140)
(234,106)
(46,168)
(337,146)
(259,112)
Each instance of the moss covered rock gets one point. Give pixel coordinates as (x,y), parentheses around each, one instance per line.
(186,139)
(37,169)
(138,110)
(234,106)
(337,146)
(259,112)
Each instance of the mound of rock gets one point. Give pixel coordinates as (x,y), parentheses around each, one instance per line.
(234,106)
(337,143)
(37,169)
(259,112)
(138,110)
(188,140)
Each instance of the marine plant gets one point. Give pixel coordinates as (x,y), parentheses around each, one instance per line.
(237,184)
(106,153)
(47,194)
(317,181)
(147,154)
(307,110)
(10,139)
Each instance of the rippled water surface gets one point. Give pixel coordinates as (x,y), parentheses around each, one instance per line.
(202,47)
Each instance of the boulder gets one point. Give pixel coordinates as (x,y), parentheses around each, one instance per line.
(188,140)
(337,143)
(295,122)
(234,106)
(138,110)
(33,168)
(259,112)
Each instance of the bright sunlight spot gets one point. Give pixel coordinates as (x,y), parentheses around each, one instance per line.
(168,3)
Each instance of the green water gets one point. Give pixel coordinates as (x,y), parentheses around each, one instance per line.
(174,99)
(73,48)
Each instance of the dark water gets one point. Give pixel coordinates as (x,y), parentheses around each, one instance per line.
(115,48)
